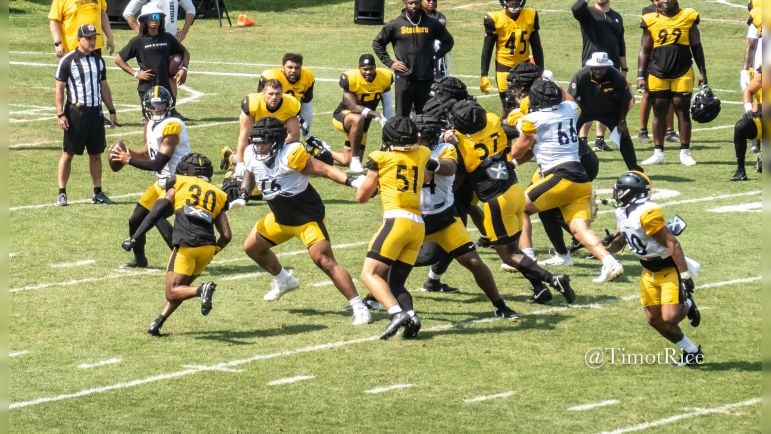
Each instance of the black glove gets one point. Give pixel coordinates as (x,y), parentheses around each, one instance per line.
(128,244)
(686,283)
(608,238)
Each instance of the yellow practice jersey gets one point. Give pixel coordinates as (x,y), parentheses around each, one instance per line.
(368,93)
(302,89)
(512,44)
(756,18)
(401,177)
(197,204)
(491,140)
(671,55)
(254,105)
(515,115)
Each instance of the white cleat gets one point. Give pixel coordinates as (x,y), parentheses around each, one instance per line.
(279,288)
(656,158)
(508,268)
(557,259)
(609,273)
(355,166)
(686,159)
(361,316)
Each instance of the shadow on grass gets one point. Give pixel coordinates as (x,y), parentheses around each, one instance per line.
(735,365)
(541,322)
(246,337)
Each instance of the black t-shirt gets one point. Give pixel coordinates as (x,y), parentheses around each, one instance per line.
(601,31)
(152,52)
(609,96)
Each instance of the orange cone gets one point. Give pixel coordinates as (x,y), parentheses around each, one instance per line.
(245,21)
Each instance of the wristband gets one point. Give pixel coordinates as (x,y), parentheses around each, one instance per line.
(111,111)
(365,111)
(60,115)
(136,73)
(56,44)
(748,107)
(432,165)
(183,67)
(640,78)
(685,275)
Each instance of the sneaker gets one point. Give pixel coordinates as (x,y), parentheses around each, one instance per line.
(643,136)
(483,241)
(541,295)
(755,148)
(412,328)
(135,263)
(372,303)
(397,320)
(361,316)
(155,326)
(739,175)
(61,199)
(609,273)
(207,292)
(686,159)
(694,316)
(558,259)
(507,313)
(759,164)
(226,163)
(690,359)
(102,199)
(431,285)
(672,136)
(355,166)
(600,145)
(508,268)
(656,158)
(561,283)
(279,288)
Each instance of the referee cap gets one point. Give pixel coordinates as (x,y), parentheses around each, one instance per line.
(366,60)
(87,31)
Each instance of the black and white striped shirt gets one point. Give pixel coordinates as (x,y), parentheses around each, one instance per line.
(83,75)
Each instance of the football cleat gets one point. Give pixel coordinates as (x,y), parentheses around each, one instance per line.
(101,199)
(541,295)
(412,328)
(280,287)
(155,326)
(561,283)
(609,273)
(135,263)
(361,316)
(690,359)
(61,199)
(226,163)
(643,136)
(672,136)
(694,316)
(398,320)
(600,145)
(207,292)
(507,313)
(686,159)
(739,175)
(656,158)
(431,285)
(558,259)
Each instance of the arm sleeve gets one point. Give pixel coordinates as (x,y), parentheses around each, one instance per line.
(388,104)
(487,54)
(536,48)
(151,165)
(133,7)
(698,57)
(379,47)
(580,10)
(308,97)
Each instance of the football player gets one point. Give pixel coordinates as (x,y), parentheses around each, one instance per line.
(666,284)
(444,229)
(482,146)
(198,208)
(297,81)
(513,32)
(397,171)
(281,169)
(165,144)
(363,89)
(749,127)
(550,133)
(670,37)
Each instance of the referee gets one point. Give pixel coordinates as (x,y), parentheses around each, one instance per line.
(83,75)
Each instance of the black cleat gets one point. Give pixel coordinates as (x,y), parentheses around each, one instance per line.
(541,295)
(759,164)
(135,263)
(672,136)
(694,316)
(561,283)
(643,136)
(155,326)
(431,285)
(739,175)
(400,319)
(507,313)
(600,145)
(690,359)
(412,328)
(371,303)
(755,148)
(207,292)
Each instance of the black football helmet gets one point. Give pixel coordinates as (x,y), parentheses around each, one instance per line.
(429,129)
(631,187)
(157,103)
(544,95)
(195,164)
(446,88)
(513,6)
(468,117)
(705,106)
(439,110)
(267,136)
(399,134)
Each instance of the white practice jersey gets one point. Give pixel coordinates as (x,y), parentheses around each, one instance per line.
(556,135)
(284,178)
(155,133)
(169,8)
(436,195)
(645,219)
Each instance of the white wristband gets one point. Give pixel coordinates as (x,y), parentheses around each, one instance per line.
(183,67)
(136,73)
(685,275)
(365,111)
(748,107)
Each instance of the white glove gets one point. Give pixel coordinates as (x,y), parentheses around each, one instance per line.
(748,108)
(744,78)
(547,74)
(449,137)
(240,169)
(237,203)
(356,183)
(382,119)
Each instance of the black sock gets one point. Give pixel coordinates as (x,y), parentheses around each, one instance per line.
(97,190)
(198,291)
(685,146)
(500,304)
(160,320)
(63,190)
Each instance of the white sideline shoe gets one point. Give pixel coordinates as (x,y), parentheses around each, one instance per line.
(558,259)
(609,273)
(656,158)
(279,288)
(361,316)
(686,159)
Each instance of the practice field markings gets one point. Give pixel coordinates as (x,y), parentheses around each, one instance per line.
(384,389)
(695,413)
(744,207)
(79,263)
(226,366)
(481,398)
(112,361)
(593,405)
(290,380)
(71,202)
(18,353)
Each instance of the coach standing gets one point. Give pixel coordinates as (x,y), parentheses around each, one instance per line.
(412,34)
(83,74)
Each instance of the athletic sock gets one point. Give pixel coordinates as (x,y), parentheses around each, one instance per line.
(687,345)
(393,310)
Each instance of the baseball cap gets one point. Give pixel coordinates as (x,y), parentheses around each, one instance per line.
(87,31)
(599,58)
(366,59)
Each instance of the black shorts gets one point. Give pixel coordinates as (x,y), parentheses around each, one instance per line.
(610,120)
(86,130)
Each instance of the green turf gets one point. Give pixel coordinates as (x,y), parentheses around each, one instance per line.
(66,316)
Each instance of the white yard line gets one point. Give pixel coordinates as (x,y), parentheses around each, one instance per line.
(290,380)
(695,413)
(268,356)
(388,388)
(79,263)
(241,276)
(488,397)
(18,353)
(112,361)
(593,405)
(71,202)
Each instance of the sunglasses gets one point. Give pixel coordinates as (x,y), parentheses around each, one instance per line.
(154,17)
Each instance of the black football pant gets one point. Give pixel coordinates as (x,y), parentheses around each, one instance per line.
(411,93)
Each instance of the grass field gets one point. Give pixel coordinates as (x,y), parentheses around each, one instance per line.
(81,360)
